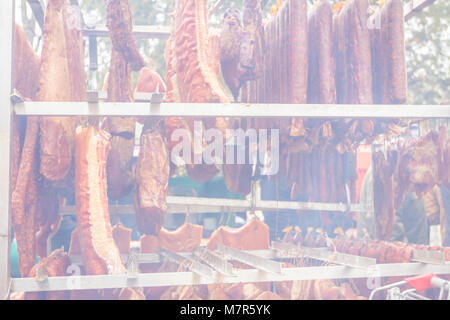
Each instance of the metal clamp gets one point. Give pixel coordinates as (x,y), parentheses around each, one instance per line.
(16,98)
(92,98)
(41,273)
(133,263)
(251,260)
(155,101)
(254,199)
(347,197)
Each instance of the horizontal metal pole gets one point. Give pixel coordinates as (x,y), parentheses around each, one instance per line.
(233,110)
(183,205)
(244,276)
(415,6)
(157,32)
(151,258)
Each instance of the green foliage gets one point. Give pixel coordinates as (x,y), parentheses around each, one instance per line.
(428,55)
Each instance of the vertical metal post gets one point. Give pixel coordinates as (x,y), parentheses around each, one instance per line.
(6,62)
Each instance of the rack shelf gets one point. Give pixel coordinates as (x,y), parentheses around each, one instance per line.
(208,110)
(185,204)
(245,276)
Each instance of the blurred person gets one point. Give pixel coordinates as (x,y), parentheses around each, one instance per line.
(434,207)
(410,222)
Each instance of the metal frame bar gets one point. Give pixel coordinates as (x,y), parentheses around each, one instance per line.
(6,62)
(183,205)
(415,6)
(213,110)
(38,12)
(157,32)
(250,275)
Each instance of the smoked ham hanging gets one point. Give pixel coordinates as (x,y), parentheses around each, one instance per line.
(55,85)
(125,58)
(24,165)
(62,78)
(254,235)
(241,44)
(388,54)
(190,74)
(47,218)
(98,250)
(152,182)
(120,25)
(119,169)
(185,239)
(55,265)
(321,85)
(26,65)
(150,81)
(196,82)
(353,67)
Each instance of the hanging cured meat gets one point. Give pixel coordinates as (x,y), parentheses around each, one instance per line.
(388,54)
(119,169)
(231,36)
(55,85)
(152,182)
(185,239)
(24,167)
(238,174)
(24,217)
(122,238)
(120,25)
(195,80)
(190,72)
(124,58)
(26,65)
(47,218)
(353,67)
(321,85)
(297,67)
(99,252)
(55,265)
(252,236)
(150,81)
(240,56)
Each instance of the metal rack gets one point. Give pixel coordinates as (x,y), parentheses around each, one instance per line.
(264,269)
(261,259)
